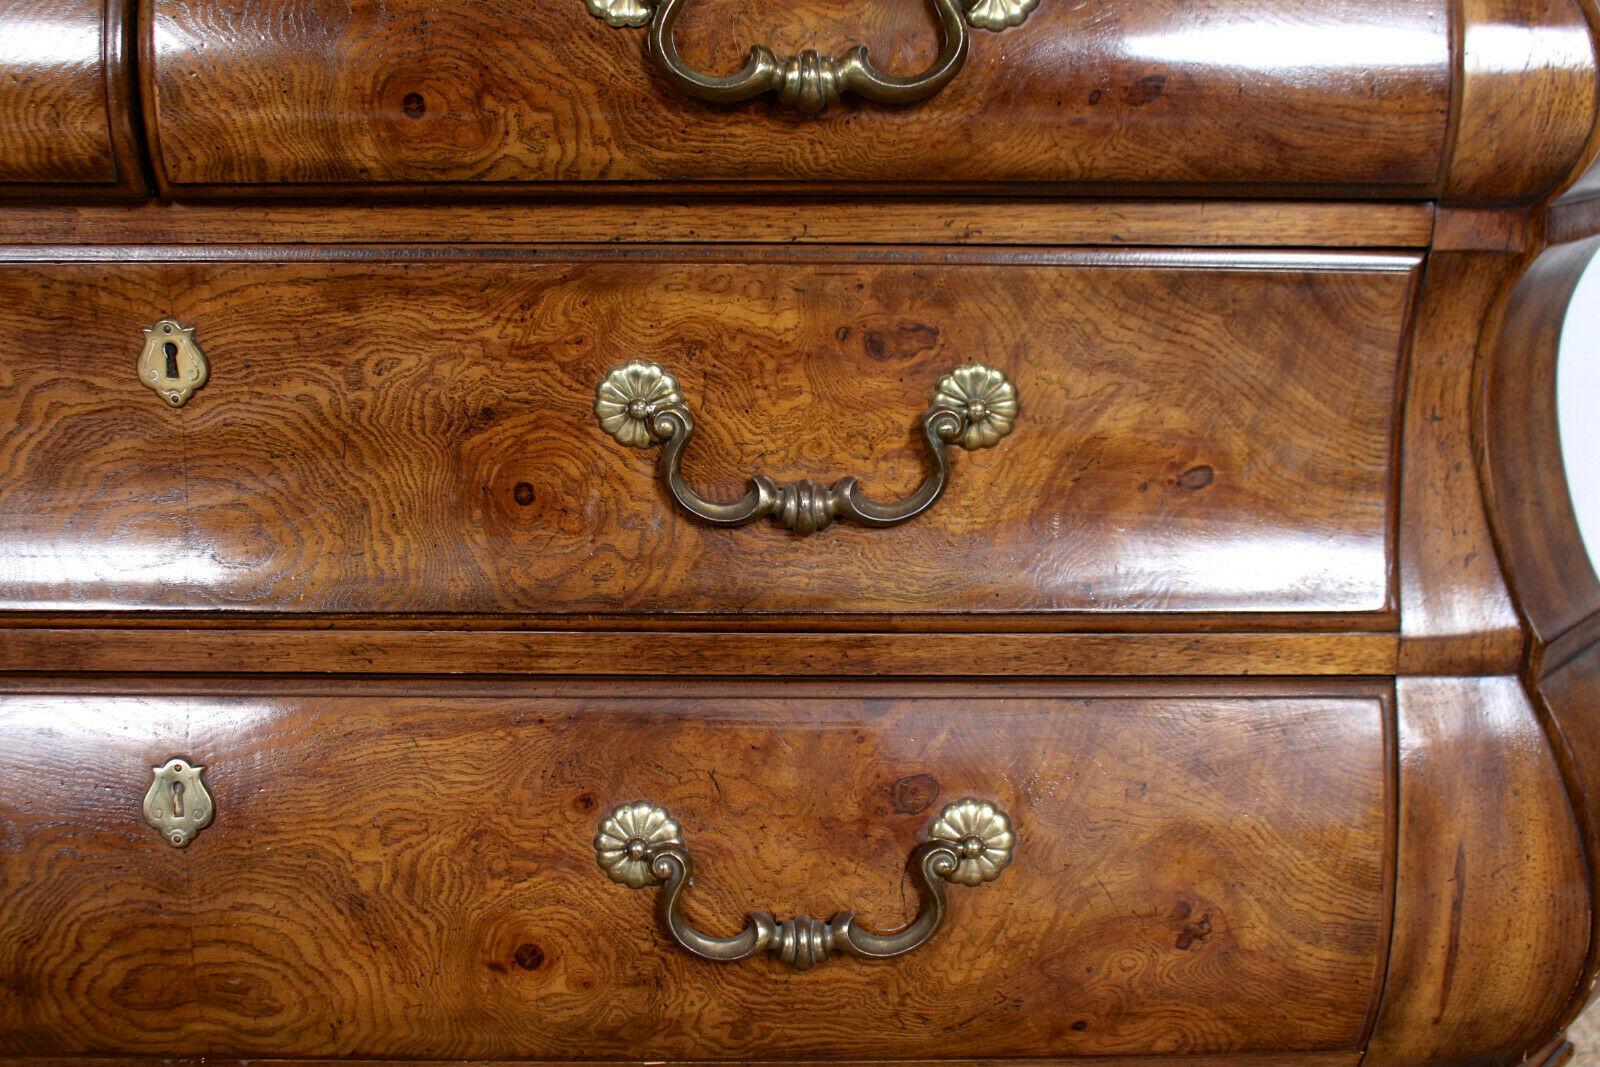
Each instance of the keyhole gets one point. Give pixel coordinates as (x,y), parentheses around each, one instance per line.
(177,800)
(172,359)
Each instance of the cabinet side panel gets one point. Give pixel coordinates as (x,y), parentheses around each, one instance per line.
(1492,904)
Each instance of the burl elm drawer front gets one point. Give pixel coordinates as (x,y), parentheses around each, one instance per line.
(384,433)
(66,101)
(491,96)
(412,872)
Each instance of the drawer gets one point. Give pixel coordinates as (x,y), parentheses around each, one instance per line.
(411,872)
(386,432)
(503,96)
(66,88)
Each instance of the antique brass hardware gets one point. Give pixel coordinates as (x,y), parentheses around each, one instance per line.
(810,82)
(639,845)
(177,804)
(639,404)
(172,363)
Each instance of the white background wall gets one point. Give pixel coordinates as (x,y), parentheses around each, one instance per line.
(1578,401)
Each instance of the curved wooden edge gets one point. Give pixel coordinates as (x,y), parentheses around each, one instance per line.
(122,101)
(1584,182)
(1491,917)
(143,47)
(1568,698)
(123,119)
(1556,1054)
(1525,482)
(1552,579)
(1523,114)
(1456,613)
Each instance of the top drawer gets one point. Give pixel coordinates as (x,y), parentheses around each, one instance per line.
(65,126)
(1270,96)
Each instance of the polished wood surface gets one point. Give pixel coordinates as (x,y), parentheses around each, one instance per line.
(1573,222)
(1271,623)
(341,645)
(382,436)
(1492,920)
(66,99)
(1541,546)
(1517,53)
(1305,1059)
(1584,182)
(1178,223)
(1551,572)
(1456,613)
(53,121)
(263,99)
(408,872)
(1274,95)
(1569,693)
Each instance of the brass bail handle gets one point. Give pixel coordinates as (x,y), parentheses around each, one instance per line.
(639,404)
(639,845)
(810,82)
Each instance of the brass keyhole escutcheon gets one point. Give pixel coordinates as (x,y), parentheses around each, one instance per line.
(177,805)
(172,363)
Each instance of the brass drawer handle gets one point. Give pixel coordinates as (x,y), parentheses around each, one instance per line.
(639,845)
(639,404)
(810,82)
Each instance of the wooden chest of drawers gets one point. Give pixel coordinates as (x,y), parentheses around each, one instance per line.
(1042,538)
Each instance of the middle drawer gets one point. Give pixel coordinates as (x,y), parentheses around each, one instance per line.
(1192,432)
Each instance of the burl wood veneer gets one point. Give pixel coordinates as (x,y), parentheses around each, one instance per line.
(1268,626)
(393,871)
(65,92)
(502,95)
(392,436)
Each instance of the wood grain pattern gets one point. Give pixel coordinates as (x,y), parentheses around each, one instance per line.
(1551,572)
(340,647)
(1492,908)
(1305,1059)
(1527,98)
(399,436)
(1335,468)
(411,875)
(1274,95)
(1482,230)
(53,121)
(1573,222)
(1540,544)
(1569,694)
(66,100)
(1455,611)
(124,936)
(1583,184)
(938,222)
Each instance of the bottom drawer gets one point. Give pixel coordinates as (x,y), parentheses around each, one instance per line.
(399,872)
